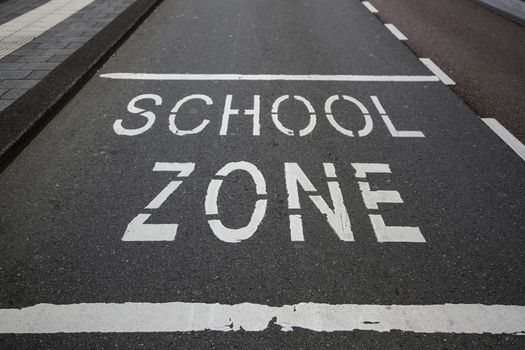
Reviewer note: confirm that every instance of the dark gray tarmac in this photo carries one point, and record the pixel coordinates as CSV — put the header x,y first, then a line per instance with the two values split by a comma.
x,y
68,197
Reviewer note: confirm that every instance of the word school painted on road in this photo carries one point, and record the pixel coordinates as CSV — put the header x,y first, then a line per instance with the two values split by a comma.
x,y
148,117
296,180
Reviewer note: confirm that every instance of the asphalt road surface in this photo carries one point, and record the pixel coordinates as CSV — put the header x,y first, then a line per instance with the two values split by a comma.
x,y
482,50
309,183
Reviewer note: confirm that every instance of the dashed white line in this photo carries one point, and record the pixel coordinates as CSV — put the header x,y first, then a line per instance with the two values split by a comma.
x,y
397,33
370,7
437,71
187,317
271,77
506,136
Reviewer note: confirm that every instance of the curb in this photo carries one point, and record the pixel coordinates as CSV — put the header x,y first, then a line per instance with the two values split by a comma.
x,y
23,119
513,10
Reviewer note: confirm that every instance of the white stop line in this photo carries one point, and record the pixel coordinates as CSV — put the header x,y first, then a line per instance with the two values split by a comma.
x,y
185,317
272,77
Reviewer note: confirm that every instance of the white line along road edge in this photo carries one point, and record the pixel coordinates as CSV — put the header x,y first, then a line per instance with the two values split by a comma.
x,y
370,7
185,317
397,33
506,136
437,71
268,77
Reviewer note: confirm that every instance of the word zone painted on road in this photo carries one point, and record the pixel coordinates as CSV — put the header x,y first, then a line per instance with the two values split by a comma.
x,y
296,180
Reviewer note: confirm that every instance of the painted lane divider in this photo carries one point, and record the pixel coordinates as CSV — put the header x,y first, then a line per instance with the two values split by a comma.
x,y
437,71
442,76
271,77
187,317
370,7
506,136
397,33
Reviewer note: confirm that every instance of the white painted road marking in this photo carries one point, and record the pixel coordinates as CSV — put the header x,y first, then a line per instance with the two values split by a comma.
x,y
397,33
506,136
437,71
390,126
275,116
254,112
211,205
370,7
137,229
22,29
371,198
336,215
337,218
186,317
270,77
150,116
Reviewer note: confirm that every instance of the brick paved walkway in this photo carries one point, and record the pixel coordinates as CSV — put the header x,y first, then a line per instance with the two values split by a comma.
x,y
24,68
12,9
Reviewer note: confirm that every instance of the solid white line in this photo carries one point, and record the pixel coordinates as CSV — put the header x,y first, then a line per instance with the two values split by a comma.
x,y
184,317
506,136
22,29
267,77
370,7
437,71
397,33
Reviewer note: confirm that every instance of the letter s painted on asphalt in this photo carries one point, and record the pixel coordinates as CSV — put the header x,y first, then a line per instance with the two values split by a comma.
x,y
150,116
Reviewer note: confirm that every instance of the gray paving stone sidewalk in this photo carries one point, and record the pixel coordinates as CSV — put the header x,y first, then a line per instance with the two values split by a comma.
x,y
24,68
11,9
